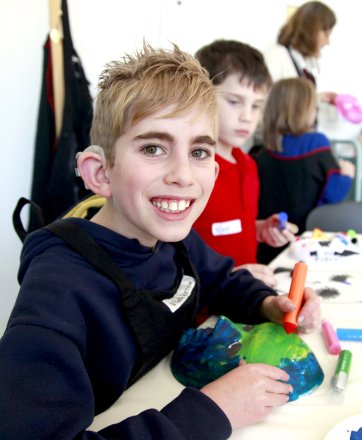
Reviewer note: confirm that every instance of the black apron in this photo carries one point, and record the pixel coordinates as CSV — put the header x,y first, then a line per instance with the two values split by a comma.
x,y
155,327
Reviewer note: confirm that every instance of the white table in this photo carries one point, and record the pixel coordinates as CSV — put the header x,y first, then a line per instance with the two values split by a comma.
x,y
308,418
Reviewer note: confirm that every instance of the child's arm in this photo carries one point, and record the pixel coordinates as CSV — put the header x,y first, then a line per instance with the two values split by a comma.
x,y
48,395
46,388
338,175
338,183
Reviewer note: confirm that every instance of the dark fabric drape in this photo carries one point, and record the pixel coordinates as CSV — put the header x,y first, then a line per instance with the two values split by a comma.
x,y
55,186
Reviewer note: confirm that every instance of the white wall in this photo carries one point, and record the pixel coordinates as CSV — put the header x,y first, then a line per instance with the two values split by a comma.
x,y
103,30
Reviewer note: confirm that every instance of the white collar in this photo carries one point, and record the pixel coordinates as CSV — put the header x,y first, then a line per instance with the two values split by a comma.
x,y
309,63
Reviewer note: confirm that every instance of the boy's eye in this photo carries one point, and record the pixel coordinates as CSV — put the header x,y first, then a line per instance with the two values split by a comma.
x,y
200,153
152,150
233,101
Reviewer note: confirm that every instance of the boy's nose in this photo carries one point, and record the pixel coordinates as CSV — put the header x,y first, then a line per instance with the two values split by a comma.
x,y
245,114
179,172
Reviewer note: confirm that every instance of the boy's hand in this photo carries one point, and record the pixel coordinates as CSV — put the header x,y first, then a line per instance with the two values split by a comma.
x,y
260,271
248,393
274,307
267,231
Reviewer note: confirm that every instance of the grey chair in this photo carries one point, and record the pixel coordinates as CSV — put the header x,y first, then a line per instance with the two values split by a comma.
x,y
338,150
338,217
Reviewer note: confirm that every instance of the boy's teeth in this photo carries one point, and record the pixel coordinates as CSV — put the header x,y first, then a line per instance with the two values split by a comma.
x,y
181,205
172,206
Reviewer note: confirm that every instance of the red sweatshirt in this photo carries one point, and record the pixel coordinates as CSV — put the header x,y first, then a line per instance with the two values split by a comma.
x,y
228,222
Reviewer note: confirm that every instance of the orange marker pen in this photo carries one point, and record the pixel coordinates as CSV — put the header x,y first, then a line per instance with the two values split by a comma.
x,y
295,295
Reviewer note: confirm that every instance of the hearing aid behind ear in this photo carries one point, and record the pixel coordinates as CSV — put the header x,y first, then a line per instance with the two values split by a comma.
x,y
349,108
95,149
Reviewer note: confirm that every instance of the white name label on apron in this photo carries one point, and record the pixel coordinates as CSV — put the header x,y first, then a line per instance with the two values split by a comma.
x,y
226,228
183,292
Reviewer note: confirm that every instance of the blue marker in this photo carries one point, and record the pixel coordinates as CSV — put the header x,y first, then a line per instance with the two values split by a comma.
x,y
283,218
349,334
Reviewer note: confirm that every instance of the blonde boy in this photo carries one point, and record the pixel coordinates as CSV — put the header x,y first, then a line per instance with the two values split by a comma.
x,y
76,339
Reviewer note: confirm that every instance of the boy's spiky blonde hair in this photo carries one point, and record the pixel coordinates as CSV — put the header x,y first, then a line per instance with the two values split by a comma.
x,y
139,85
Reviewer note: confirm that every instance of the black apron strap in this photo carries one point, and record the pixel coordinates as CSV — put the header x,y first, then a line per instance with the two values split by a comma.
x,y
301,72
82,242
78,239
297,68
17,222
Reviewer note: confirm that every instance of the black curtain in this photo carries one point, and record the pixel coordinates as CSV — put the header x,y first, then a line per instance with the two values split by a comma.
x,y
55,186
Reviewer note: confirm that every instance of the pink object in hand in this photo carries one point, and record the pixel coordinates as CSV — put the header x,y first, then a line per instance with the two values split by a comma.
x,y
349,108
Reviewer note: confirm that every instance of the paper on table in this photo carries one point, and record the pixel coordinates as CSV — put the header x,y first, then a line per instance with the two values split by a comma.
x,y
340,286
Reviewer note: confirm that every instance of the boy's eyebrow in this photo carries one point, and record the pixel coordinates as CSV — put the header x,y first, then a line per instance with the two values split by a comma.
x,y
164,136
204,140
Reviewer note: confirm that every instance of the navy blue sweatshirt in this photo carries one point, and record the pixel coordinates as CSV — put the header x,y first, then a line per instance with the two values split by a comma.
x,y
68,352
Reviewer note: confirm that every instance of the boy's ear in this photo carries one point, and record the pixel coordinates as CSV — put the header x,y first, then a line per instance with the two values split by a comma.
x,y
92,169
217,169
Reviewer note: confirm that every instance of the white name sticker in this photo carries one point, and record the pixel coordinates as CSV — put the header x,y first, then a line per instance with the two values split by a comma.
x,y
183,292
226,228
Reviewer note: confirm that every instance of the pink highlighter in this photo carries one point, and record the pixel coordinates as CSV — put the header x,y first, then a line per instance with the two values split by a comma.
x,y
330,337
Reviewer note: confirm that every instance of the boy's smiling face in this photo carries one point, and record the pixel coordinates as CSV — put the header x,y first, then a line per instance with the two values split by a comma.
x,y
240,108
163,175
